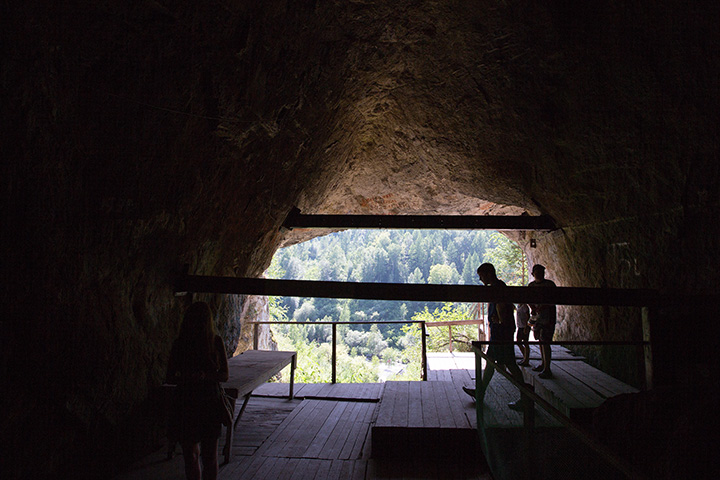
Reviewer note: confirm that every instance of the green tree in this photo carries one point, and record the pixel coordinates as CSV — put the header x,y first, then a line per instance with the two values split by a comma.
x,y
416,276
443,274
469,272
439,337
508,259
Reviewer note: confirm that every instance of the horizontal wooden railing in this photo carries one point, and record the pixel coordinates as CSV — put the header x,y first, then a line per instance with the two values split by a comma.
x,y
451,323
434,293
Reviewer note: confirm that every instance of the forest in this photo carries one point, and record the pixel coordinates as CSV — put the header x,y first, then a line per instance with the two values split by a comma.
x,y
371,352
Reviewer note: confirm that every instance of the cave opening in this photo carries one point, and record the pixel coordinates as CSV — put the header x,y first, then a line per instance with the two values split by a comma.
x,y
387,256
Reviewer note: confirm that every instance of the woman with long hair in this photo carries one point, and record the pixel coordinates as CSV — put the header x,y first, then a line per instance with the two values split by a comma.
x,y
197,364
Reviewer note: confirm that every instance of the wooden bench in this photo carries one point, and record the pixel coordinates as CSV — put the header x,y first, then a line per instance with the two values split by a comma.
x,y
246,372
576,388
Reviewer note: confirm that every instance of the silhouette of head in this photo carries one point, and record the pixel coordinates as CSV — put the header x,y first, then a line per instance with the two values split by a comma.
x,y
486,272
197,328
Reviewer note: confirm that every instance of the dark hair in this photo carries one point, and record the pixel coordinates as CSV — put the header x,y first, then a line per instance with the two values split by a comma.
x,y
537,266
486,267
197,334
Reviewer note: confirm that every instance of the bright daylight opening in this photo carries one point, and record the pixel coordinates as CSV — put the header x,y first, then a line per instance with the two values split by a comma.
x,y
380,340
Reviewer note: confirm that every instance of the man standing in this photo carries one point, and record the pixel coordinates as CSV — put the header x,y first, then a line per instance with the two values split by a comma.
x,y
545,318
502,327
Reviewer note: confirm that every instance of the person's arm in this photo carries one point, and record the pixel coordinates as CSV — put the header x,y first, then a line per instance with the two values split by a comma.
x,y
222,371
503,311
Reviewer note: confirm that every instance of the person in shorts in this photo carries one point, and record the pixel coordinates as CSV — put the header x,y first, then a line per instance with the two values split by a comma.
x,y
546,317
502,327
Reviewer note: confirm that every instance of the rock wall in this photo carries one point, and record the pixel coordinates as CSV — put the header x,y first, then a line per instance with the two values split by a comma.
x,y
139,137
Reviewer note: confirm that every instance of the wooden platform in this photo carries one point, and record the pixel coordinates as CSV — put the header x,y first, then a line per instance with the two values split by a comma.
x,y
576,388
327,431
434,417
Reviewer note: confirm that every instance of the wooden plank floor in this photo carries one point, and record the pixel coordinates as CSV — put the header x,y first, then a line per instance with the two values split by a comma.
x,y
433,404
326,432
576,389
337,391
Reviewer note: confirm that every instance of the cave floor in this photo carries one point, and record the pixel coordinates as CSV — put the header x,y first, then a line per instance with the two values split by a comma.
x,y
326,431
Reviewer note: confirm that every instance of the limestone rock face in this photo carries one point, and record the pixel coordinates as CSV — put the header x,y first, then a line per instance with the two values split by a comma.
x,y
140,137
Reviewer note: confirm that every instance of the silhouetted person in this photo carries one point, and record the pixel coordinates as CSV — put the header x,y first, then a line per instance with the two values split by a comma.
x,y
502,327
197,364
523,333
544,327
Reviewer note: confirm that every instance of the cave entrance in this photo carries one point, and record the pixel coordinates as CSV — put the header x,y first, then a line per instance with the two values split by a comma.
x,y
376,340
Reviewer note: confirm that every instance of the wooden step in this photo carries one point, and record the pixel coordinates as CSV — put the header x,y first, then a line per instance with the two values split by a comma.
x,y
435,418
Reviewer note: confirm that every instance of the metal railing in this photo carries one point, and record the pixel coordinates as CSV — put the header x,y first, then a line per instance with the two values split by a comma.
x,y
333,379
423,336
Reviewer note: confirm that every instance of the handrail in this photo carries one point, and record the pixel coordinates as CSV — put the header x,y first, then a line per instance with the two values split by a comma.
x,y
579,431
423,348
619,297
423,334
451,323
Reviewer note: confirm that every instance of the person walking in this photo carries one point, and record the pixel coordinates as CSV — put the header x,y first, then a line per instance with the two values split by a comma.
x,y
502,327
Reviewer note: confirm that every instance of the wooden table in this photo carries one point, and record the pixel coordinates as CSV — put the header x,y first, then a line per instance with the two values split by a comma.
x,y
248,371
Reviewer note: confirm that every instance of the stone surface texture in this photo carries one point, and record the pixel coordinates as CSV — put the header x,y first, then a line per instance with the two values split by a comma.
x,y
145,136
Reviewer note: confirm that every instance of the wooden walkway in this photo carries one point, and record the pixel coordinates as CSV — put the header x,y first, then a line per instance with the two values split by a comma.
x,y
576,388
328,431
339,391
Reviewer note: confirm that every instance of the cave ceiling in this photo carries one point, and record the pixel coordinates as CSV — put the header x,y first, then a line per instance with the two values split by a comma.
x,y
217,118
460,108
411,114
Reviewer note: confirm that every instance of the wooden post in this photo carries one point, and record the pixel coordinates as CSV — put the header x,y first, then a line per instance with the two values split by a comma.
x,y
293,363
647,319
334,353
423,331
256,336
450,337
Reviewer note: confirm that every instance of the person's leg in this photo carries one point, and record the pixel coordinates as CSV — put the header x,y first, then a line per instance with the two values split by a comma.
x,y
522,337
518,376
546,356
484,381
547,335
486,377
539,335
515,372
191,456
210,459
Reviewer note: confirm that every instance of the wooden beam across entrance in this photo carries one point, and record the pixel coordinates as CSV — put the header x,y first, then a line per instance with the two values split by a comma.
x,y
427,222
420,292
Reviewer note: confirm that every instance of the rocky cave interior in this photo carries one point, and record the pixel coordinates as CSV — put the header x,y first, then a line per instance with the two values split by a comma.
x,y
142,136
